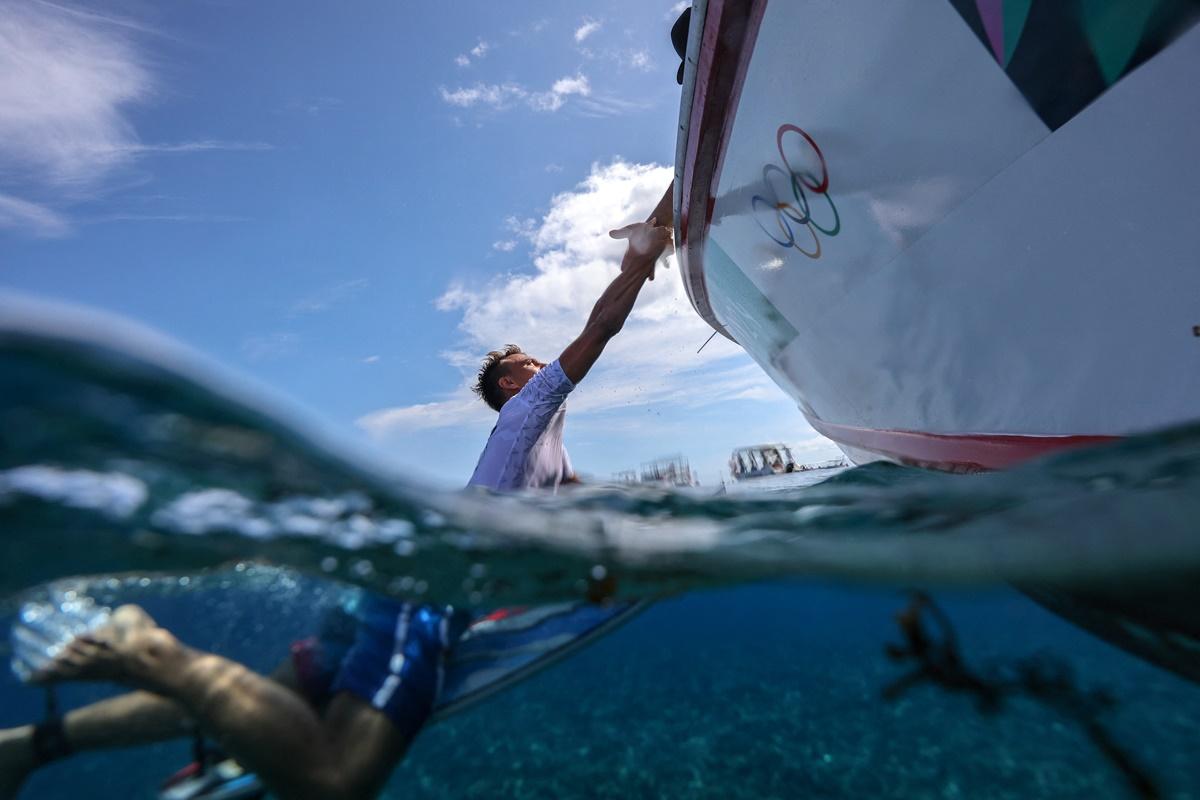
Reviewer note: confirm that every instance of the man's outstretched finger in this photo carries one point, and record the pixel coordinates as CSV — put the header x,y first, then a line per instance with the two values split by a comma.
x,y
627,231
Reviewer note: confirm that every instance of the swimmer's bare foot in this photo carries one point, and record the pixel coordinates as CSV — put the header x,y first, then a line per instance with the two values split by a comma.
x,y
16,759
131,649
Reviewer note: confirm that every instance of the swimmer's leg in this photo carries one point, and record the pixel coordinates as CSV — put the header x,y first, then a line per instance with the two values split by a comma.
x,y
16,759
270,729
129,720
179,686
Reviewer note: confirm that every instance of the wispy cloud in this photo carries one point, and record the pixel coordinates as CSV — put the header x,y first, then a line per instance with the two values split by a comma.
x,y
18,214
270,346
526,228
315,105
462,60
586,29
189,218
606,105
328,297
199,146
462,409
480,50
519,229
502,96
654,359
626,58
68,81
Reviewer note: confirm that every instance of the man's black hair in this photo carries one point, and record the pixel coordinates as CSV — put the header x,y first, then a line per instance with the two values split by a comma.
x,y
487,380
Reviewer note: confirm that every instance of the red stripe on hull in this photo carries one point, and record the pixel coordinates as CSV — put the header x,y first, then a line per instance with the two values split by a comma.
x,y
729,32
952,452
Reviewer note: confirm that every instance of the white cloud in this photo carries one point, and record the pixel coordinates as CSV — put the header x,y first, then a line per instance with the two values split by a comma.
x,y
478,51
495,95
560,91
585,30
639,60
552,168
505,245
371,360
501,96
460,410
18,214
678,9
652,361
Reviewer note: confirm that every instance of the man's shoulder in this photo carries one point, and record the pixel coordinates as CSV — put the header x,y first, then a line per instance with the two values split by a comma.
x,y
550,380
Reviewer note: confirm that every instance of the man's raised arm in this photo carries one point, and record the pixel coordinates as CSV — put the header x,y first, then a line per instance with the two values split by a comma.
x,y
646,244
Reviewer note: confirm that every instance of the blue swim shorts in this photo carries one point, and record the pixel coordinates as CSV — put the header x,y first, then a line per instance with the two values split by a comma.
x,y
389,653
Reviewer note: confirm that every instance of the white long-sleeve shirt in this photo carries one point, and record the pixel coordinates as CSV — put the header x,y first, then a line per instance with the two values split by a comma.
x,y
525,449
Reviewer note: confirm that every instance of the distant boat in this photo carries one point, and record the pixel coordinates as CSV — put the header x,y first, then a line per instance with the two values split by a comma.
x,y
667,471
760,460
764,460
959,234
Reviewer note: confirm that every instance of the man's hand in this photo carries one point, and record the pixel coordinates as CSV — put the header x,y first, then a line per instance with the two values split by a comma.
x,y
647,241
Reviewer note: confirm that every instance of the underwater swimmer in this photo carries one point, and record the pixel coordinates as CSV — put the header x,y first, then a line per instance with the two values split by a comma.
x,y
334,719
379,701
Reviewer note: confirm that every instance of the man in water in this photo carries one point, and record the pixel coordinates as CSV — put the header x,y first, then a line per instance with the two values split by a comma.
x,y
525,449
331,722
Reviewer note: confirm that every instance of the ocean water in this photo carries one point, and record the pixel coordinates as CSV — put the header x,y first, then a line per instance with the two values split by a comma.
x,y
760,671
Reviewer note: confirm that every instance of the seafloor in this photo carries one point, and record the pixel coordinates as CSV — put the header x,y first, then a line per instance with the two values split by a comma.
x,y
758,692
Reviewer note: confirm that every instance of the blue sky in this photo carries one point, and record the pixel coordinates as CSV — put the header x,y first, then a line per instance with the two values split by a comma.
x,y
353,206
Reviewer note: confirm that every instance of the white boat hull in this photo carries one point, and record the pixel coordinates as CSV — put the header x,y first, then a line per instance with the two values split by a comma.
x,y
935,272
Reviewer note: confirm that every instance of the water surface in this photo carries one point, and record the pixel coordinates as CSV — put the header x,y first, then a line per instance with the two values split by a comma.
x,y
757,674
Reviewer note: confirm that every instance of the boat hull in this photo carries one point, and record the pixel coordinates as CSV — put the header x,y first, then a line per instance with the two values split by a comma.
x,y
941,260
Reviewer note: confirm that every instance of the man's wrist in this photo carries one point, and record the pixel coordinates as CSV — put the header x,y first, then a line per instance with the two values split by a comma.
x,y
636,261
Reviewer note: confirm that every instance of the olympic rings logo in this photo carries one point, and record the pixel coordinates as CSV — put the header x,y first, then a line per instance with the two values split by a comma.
x,y
795,212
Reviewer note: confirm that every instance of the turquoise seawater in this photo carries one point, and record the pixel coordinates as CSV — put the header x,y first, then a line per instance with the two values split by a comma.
x,y
761,669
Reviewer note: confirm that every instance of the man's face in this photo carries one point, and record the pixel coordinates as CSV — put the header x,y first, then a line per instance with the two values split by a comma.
x,y
518,369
